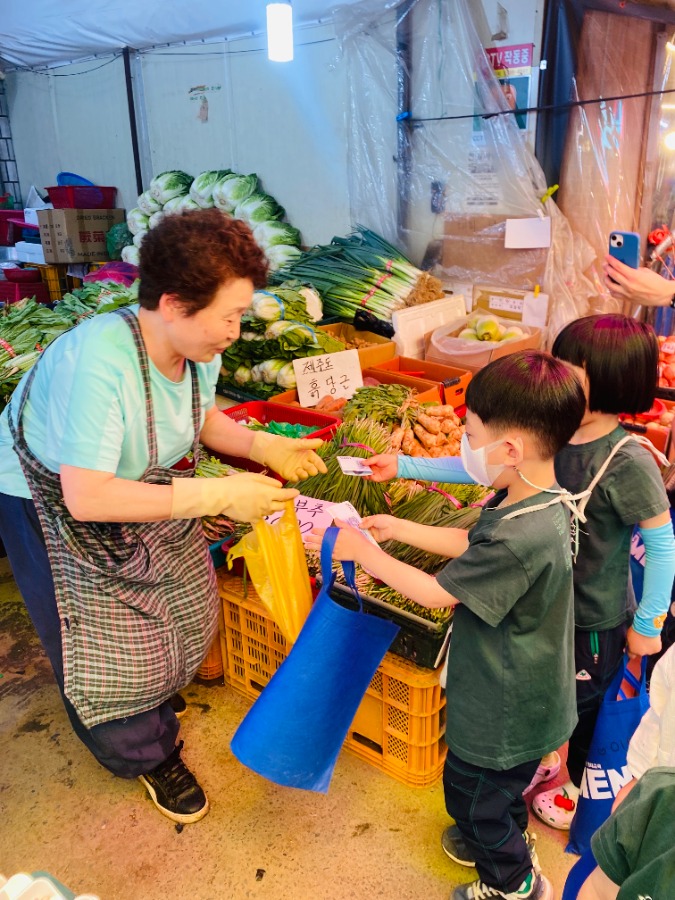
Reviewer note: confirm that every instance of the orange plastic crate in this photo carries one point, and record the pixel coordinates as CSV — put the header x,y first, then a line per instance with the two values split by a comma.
x,y
212,666
452,382
399,726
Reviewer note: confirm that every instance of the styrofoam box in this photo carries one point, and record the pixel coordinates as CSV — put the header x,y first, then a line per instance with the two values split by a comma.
x,y
412,325
28,252
443,345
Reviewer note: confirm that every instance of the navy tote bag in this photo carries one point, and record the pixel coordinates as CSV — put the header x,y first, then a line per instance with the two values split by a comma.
x,y
293,733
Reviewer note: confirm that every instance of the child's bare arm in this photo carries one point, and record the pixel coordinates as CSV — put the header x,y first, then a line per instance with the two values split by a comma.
x,y
351,545
450,542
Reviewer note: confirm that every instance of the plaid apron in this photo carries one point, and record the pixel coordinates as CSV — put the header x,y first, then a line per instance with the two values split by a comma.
x,y
138,602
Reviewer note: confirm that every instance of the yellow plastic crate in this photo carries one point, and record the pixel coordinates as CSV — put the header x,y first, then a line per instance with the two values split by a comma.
x,y
254,646
212,666
399,726
54,276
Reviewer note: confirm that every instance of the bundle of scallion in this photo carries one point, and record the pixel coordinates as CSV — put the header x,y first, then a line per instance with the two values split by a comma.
x,y
362,439
362,271
217,527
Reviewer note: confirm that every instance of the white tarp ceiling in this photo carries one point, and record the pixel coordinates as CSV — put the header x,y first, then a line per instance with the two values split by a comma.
x,y
41,32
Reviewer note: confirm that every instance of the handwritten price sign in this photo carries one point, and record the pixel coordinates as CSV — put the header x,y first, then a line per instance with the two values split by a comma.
x,y
311,514
331,375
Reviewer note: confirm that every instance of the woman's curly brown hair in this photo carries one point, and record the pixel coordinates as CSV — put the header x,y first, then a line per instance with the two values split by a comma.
x,y
193,253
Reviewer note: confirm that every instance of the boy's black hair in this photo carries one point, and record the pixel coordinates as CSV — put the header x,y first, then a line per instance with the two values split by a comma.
x,y
532,391
620,356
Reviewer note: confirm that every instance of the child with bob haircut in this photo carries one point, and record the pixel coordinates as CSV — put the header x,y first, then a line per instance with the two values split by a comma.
x,y
616,358
510,665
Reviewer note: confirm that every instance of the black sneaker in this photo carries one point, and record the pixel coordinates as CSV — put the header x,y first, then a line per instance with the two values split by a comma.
x,y
174,790
178,705
456,848
535,887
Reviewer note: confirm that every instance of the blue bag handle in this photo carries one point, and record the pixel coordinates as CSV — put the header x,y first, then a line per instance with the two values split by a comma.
x,y
626,675
327,574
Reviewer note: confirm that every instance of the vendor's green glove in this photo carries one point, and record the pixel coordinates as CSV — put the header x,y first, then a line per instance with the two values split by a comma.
x,y
293,458
245,498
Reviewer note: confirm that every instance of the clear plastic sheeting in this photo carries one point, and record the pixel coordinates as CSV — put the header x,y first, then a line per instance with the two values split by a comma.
x,y
433,169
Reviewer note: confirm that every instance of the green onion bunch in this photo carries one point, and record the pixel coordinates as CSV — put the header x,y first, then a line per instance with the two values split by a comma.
x,y
362,271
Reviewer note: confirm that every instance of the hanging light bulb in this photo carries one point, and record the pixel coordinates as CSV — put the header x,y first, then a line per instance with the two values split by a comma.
x,y
280,31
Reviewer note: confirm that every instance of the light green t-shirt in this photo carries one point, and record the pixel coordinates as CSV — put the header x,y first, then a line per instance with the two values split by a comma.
x,y
87,407
510,687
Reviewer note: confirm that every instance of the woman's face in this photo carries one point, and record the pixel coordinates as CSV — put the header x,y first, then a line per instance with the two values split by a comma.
x,y
210,331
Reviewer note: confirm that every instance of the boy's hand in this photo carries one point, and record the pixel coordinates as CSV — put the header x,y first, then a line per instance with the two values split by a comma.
x,y
348,545
381,527
641,645
384,466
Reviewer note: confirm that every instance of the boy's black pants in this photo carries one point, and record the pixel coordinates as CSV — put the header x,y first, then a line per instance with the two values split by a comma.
x,y
488,808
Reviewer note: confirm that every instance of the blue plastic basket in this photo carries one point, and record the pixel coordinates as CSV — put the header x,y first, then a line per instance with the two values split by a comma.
x,y
69,179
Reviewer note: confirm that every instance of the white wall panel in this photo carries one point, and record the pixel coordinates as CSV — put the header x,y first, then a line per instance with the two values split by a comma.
x,y
76,124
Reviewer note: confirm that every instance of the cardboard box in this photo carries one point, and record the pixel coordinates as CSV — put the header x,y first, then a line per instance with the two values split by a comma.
x,y
76,235
444,347
383,348
473,250
427,391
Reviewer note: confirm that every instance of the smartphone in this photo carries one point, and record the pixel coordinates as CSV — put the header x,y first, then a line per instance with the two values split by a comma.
x,y
625,246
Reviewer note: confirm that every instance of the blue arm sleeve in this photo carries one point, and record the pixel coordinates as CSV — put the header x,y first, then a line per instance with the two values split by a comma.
x,y
446,468
658,580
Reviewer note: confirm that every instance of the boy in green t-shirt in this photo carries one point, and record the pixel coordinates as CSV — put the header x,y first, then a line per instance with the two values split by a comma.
x,y
510,685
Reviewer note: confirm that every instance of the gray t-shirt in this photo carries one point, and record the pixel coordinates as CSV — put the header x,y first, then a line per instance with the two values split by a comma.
x,y
630,491
510,688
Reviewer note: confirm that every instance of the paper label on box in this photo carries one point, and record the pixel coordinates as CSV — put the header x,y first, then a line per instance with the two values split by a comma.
x,y
329,375
527,234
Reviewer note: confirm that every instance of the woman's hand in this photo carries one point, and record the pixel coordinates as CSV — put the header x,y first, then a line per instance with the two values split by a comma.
x,y
637,285
348,546
384,466
381,527
293,458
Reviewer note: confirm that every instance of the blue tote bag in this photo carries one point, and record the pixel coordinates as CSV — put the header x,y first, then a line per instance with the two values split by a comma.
x,y
605,771
293,733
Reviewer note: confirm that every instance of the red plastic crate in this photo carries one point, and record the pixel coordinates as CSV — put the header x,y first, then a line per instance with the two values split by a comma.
x,y
265,412
12,293
79,197
6,230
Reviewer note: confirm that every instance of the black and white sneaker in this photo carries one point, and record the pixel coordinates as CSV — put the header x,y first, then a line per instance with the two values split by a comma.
x,y
535,887
456,848
175,791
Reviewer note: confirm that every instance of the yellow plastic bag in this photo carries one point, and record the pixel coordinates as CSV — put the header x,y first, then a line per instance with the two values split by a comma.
x,y
275,558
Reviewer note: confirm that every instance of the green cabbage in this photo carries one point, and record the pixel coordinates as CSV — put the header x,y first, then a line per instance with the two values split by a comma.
x,y
187,203
130,255
138,238
267,234
156,218
258,208
168,185
270,369
242,375
201,189
313,303
137,220
286,377
266,306
173,205
233,190
148,204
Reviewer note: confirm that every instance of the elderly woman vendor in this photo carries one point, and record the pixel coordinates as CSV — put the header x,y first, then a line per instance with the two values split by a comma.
x,y
103,535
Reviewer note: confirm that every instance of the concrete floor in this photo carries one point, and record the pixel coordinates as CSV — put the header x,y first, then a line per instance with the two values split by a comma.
x,y
369,837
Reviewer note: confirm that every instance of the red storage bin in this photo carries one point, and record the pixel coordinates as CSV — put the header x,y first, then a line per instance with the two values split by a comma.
x,y
6,229
265,412
12,293
80,197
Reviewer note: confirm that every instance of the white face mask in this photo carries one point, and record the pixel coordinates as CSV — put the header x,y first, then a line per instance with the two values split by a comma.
x,y
476,464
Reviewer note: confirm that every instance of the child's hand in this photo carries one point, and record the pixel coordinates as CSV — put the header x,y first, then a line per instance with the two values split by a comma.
x,y
384,466
349,542
640,645
381,527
